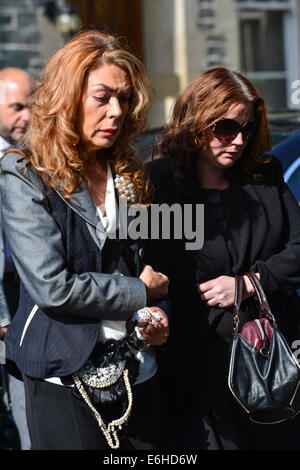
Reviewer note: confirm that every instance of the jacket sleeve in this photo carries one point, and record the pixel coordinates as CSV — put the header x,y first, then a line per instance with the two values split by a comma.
x,y
5,317
281,272
39,255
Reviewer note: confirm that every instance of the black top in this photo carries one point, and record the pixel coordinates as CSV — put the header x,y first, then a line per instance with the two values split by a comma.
x,y
216,254
215,200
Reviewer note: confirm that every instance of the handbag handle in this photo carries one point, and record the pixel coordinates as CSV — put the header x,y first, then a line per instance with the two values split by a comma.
x,y
238,293
264,308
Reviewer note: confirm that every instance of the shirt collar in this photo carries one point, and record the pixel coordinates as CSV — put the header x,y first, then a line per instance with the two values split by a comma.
x,y
4,145
109,222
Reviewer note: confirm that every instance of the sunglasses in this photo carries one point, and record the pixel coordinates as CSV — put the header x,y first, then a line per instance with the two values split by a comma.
x,y
226,130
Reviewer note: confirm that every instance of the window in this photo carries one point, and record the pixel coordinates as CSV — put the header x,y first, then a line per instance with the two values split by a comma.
x,y
266,30
264,1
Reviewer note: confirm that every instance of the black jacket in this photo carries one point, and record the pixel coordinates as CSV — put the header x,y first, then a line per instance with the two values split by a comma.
x,y
264,223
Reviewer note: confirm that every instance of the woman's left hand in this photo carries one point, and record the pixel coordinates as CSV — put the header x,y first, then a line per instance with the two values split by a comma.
x,y
155,333
218,292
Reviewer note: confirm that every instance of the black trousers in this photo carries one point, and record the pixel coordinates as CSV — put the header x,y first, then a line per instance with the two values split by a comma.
x,y
11,286
58,420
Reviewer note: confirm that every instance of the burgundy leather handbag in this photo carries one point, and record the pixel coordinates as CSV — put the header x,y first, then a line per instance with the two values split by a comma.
x,y
264,376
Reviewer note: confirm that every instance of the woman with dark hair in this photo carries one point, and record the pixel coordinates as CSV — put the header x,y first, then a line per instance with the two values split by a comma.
x,y
89,373
215,152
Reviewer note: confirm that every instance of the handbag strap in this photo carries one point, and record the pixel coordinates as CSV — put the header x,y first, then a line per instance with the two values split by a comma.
x,y
238,295
264,310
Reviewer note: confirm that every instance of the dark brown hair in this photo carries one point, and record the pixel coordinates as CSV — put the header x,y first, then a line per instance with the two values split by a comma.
x,y
206,101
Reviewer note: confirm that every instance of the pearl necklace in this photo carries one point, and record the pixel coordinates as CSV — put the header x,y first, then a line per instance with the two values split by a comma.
x,y
109,431
125,188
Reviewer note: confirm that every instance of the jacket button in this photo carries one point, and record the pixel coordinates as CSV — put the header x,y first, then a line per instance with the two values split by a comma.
x,y
141,252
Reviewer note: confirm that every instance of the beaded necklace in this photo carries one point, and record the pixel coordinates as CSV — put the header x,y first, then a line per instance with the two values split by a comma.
x,y
109,431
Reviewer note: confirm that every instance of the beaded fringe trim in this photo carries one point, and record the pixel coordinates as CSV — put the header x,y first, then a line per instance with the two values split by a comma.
x,y
101,377
109,431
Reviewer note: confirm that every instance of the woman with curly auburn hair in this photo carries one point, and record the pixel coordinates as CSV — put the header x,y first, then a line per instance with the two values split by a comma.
x,y
214,152
91,312
54,140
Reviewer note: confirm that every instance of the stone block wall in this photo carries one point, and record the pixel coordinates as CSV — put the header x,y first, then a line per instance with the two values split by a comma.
x,y
20,44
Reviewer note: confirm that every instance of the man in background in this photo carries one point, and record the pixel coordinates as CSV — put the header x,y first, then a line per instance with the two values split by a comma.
x,y
16,89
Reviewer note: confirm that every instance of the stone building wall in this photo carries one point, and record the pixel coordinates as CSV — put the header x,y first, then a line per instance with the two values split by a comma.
x,y
20,36
182,38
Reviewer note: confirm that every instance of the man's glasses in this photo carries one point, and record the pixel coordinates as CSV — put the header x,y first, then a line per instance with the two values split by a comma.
x,y
226,130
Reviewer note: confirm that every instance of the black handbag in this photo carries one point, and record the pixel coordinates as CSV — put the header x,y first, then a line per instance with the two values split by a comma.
x,y
264,376
105,381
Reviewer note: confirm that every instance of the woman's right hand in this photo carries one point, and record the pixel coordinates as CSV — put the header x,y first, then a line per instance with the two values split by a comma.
x,y
3,331
156,283
155,333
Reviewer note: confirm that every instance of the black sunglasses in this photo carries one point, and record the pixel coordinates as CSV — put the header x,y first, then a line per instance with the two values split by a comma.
x,y
226,130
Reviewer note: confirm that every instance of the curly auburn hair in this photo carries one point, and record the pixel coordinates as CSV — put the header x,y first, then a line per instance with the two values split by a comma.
x,y
206,101
52,143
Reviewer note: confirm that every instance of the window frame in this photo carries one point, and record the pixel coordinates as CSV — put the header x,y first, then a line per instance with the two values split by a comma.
x,y
291,37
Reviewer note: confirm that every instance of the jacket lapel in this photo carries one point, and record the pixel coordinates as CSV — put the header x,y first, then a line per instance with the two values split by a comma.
x,y
82,204
238,221
247,223
258,214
